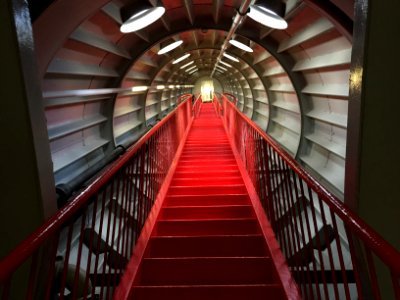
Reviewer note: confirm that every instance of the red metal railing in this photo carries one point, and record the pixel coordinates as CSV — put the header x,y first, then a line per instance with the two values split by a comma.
x,y
184,97
332,253
196,106
218,104
82,251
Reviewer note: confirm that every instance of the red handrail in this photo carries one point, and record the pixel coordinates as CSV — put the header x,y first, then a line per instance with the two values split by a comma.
x,y
196,106
152,141
299,180
183,97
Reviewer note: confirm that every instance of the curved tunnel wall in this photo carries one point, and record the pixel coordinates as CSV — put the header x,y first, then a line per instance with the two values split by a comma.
x,y
294,85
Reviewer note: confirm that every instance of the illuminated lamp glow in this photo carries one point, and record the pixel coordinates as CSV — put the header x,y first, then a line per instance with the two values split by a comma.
x,y
142,19
222,68
188,64
194,71
240,45
191,68
139,88
160,87
170,47
181,58
267,17
226,64
230,57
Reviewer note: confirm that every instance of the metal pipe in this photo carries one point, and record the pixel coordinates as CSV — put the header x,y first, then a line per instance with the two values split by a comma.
x,y
237,20
65,190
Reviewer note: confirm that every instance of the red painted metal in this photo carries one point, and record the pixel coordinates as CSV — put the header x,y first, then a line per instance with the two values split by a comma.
x,y
197,245
311,224
85,247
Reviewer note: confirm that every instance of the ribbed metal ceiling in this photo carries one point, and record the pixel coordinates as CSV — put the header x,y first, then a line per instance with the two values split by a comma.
x,y
294,85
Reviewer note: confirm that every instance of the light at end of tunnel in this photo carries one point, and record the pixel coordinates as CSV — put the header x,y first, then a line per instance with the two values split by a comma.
x,y
181,58
188,64
267,17
240,45
170,47
160,87
139,88
230,57
142,19
226,64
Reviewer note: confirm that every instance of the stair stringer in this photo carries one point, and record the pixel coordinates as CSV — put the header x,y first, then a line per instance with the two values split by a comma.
x,y
125,287
289,285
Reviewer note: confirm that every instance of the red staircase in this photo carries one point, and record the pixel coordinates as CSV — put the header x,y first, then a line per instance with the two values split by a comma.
x,y
207,242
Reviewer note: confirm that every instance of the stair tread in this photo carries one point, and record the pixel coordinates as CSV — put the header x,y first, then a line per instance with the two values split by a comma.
x,y
207,270
207,242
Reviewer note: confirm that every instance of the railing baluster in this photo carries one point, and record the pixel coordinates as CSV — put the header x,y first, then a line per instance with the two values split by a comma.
x,y
301,208
90,247
99,238
32,276
328,246
78,263
354,263
372,275
318,241
66,261
340,255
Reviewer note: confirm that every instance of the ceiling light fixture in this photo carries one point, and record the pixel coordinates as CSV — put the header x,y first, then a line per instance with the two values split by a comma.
x,y
181,58
188,64
241,43
168,46
226,64
171,86
139,88
269,13
137,17
222,68
160,87
194,71
230,57
191,68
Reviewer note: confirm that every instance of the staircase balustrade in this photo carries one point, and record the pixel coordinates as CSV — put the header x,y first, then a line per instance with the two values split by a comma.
x,y
332,253
81,252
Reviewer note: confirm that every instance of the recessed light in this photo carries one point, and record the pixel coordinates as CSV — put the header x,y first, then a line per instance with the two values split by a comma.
x,y
181,58
170,47
139,88
188,64
222,68
230,57
142,19
241,45
191,68
267,17
226,64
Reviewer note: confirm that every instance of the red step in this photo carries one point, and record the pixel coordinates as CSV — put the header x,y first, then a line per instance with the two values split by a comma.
x,y
207,246
206,173
206,227
212,189
204,200
207,243
206,212
210,292
207,271
193,179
